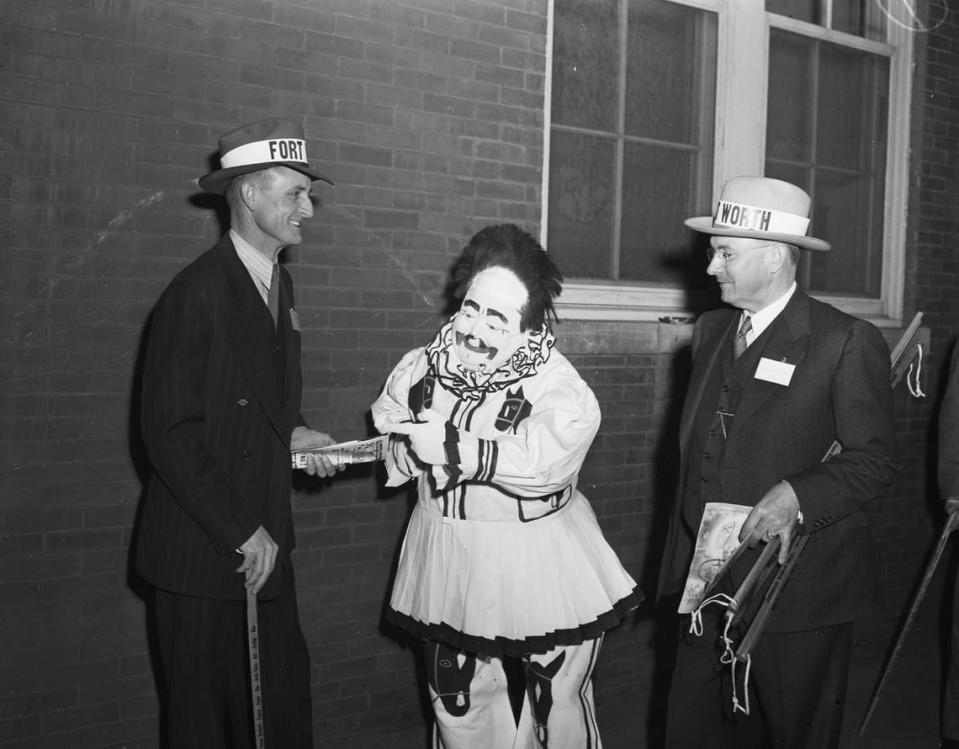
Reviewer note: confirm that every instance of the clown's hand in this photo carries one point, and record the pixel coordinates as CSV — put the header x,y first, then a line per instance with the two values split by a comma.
x,y
428,436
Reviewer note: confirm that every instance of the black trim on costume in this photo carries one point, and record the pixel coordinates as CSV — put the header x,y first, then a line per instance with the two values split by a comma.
x,y
587,705
503,646
470,408
487,456
451,444
454,412
557,501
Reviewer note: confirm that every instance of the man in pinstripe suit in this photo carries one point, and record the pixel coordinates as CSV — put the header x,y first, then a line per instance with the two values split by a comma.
x,y
221,412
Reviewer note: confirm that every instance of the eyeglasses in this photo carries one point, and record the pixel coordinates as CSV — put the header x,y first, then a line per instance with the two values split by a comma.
x,y
724,255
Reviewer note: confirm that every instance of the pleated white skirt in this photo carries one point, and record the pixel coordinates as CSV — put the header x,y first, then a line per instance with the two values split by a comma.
x,y
510,587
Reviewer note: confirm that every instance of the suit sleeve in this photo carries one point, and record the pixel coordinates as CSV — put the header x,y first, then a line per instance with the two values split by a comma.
x,y
949,433
862,411
176,373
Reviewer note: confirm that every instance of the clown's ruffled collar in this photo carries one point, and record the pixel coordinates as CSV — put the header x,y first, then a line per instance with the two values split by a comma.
x,y
472,385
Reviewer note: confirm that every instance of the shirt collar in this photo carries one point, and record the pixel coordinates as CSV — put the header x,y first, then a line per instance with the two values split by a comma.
x,y
762,319
259,267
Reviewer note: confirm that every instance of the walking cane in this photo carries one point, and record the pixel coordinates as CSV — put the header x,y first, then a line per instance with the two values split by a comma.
x,y
952,520
253,640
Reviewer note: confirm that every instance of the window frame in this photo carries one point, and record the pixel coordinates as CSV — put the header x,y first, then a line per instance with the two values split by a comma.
x,y
740,126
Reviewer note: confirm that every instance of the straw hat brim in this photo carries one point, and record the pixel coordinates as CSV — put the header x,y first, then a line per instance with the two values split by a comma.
x,y
217,180
704,224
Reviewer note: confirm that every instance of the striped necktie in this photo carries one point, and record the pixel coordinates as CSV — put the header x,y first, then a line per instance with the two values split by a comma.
x,y
739,342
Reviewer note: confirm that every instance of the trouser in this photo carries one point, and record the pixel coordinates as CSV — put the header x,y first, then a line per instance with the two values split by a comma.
x,y
205,676
797,689
472,707
950,699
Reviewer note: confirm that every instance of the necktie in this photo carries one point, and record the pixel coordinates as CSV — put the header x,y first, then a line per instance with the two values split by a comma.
x,y
273,296
739,343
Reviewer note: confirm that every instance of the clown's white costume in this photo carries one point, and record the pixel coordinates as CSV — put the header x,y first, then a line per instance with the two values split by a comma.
x,y
503,555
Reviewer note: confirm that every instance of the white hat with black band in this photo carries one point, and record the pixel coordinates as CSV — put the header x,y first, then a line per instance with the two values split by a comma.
x,y
260,145
761,208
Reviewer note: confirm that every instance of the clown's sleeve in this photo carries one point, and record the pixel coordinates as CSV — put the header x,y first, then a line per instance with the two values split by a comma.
x,y
544,455
392,405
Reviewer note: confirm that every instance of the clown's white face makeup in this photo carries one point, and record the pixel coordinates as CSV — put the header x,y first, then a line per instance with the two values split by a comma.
x,y
486,330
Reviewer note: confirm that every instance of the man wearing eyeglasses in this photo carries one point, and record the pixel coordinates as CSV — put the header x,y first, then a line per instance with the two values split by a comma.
x,y
779,380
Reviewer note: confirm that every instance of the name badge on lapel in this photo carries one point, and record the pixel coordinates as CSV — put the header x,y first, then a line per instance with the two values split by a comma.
x,y
778,372
294,320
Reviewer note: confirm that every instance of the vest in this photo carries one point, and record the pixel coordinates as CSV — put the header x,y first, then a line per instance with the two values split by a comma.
x,y
723,389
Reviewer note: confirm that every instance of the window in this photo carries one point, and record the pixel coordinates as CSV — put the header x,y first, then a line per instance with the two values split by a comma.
x,y
826,132
653,104
632,136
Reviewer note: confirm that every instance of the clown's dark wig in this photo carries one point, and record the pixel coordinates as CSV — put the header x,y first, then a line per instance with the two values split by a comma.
x,y
508,246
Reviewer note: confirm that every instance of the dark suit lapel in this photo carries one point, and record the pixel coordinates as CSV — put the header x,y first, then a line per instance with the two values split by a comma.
x,y
251,329
785,341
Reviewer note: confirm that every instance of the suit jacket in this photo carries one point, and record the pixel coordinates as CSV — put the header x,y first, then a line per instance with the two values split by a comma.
x,y
949,433
839,390
221,396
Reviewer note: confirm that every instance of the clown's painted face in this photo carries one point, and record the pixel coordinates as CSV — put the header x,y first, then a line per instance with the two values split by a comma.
x,y
486,330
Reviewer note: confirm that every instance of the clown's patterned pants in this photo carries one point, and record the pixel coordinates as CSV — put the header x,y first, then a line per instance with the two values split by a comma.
x,y
472,707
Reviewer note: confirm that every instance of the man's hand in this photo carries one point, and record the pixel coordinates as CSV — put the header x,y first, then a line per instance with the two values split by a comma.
x,y
259,557
426,436
774,515
304,438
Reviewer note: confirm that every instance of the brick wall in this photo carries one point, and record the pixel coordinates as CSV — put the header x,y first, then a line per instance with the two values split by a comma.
x,y
908,521
428,115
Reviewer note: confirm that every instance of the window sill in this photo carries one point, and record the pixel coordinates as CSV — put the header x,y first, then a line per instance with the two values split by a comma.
x,y
586,301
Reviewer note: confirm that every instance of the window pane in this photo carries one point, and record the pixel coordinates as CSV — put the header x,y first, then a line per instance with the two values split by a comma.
x,y
847,212
616,203
854,265
790,91
581,201
801,10
852,107
837,153
660,189
586,64
863,18
671,76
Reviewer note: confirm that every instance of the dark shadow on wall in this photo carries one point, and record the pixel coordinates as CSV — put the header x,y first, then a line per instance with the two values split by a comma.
x,y
933,496
137,586
947,567
215,204
687,265
412,645
665,481
701,293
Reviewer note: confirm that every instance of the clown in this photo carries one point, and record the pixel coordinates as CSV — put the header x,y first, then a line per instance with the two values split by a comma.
x,y
503,556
